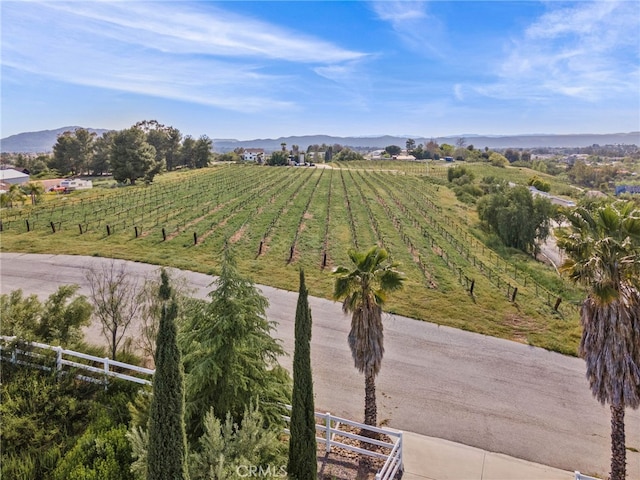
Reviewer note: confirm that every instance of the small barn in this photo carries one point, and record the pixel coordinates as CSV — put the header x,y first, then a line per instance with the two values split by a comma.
x,y
13,177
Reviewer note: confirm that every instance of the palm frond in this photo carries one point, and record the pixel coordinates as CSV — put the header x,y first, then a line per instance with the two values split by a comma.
x,y
363,290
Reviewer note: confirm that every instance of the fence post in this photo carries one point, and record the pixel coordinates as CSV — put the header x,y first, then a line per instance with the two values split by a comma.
x,y
558,300
327,444
106,372
58,358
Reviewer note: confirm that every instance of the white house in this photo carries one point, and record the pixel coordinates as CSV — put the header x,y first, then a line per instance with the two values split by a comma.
x,y
12,176
253,154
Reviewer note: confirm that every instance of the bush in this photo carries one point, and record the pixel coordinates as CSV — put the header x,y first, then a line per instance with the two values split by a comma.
x,y
41,416
540,184
491,184
346,154
458,172
58,321
468,193
98,455
44,414
498,160
516,217
226,447
463,180
278,158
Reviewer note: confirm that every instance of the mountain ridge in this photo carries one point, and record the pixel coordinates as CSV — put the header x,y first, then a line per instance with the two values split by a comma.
x,y
43,141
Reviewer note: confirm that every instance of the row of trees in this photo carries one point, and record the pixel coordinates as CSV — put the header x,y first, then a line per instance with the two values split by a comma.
x,y
221,356
138,152
315,153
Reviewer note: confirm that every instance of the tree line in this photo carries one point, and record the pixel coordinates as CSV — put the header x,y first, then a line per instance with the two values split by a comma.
x,y
217,399
130,155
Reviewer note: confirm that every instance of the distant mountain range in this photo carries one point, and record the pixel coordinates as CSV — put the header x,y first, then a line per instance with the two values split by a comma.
x,y
38,142
478,141
43,141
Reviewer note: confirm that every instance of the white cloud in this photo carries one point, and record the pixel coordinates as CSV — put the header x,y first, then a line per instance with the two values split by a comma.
x,y
190,52
191,28
412,23
398,11
587,51
458,92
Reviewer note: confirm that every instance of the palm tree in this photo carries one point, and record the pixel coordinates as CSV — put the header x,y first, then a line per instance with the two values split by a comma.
x,y
34,190
603,248
363,291
12,196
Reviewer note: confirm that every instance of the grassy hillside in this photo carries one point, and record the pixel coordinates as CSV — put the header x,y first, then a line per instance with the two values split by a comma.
x,y
279,219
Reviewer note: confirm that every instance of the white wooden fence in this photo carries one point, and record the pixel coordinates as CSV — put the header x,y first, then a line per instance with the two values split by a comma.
x,y
99,370
582,476
329,428
47,357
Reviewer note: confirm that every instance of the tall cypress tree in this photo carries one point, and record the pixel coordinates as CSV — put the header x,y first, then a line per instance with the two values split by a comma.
x,y
302,442
167,453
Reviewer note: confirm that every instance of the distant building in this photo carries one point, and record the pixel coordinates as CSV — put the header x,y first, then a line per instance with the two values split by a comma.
x,y
76,184
627,189
253,155
13,177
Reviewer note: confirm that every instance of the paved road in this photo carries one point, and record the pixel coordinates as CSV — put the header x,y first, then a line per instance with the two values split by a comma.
x,y
485,392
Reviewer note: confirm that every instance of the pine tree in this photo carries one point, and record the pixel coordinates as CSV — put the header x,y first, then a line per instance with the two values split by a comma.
x,y
167,453
302,442
230,357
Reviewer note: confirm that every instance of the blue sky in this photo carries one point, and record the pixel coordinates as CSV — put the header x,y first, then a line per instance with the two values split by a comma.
x,y
266,69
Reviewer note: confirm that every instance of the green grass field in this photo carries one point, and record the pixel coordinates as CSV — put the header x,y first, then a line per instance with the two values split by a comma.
x,y
280,219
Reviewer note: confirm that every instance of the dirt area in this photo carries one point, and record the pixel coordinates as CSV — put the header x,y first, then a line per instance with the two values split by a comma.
x,y
238,235
342,464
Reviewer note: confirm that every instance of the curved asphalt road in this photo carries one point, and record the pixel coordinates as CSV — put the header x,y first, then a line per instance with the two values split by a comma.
x,y
486,392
